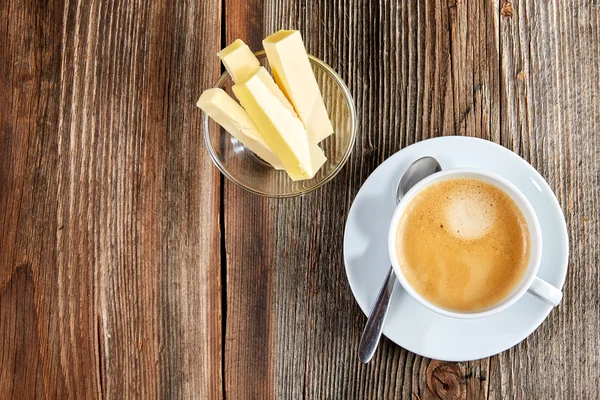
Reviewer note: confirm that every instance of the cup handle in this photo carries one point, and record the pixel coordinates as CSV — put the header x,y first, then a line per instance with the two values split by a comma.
x,y
545,291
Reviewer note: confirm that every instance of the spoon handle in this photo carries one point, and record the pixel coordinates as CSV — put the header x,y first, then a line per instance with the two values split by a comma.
x,y
372,333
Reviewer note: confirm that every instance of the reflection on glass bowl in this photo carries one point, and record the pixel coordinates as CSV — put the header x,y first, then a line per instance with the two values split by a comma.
x,y
248,171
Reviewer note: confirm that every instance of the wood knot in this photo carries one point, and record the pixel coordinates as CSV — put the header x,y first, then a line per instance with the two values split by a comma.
x,y
445,380
507,9
27,77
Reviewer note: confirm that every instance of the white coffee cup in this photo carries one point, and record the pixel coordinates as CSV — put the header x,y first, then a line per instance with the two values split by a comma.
x,y
528,283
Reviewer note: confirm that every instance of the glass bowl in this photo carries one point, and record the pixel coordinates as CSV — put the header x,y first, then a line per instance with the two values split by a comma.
x,y
248,171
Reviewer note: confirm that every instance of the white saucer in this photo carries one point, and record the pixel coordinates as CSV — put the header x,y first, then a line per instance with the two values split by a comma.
x,y
409,324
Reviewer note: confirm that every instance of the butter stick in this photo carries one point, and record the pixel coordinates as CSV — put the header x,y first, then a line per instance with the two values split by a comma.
x,y
239,60
231,116
280,127
292,72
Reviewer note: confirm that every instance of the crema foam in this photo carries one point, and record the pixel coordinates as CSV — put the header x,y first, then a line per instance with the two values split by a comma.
x,y
463,244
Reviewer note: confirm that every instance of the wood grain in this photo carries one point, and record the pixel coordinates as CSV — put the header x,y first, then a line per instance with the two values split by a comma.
x,y
550,99
129,268
110,269
251,247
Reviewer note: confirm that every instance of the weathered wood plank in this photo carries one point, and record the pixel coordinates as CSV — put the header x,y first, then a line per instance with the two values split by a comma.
x,y
167,255
550,103
110,268
250,244
47,317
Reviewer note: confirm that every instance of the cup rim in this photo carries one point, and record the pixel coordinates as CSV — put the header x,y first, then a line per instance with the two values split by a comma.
x,y
534,231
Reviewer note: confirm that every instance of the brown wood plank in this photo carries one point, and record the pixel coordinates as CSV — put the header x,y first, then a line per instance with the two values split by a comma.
x,y
418,71
47,318
250,244
109,235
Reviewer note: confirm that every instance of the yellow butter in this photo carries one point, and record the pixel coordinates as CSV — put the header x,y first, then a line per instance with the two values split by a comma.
x,y
279,125
239,60
241,63
292,72
231,116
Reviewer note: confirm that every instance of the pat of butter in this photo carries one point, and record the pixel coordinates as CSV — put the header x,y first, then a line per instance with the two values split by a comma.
x,y
292,72
231,116
239,60
241,63
281,128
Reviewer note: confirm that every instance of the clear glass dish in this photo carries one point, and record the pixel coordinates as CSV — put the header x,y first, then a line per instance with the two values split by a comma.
x,y
248,171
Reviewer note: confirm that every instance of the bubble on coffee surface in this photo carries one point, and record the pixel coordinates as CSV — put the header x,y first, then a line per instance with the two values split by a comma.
x,y
470,214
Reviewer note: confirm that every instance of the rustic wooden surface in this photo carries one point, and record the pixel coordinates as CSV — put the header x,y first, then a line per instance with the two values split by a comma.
x,y
130,269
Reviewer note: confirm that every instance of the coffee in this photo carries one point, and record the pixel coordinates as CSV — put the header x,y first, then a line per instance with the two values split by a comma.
x,y
463,244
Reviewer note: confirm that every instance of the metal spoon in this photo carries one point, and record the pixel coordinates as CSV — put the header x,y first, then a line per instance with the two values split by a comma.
x,y
420,169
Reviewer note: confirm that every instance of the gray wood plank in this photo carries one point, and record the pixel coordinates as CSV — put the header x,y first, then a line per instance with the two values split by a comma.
x,y
550,101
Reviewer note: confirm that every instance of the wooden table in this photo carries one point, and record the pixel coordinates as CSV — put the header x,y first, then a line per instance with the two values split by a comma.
x,y
130,269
